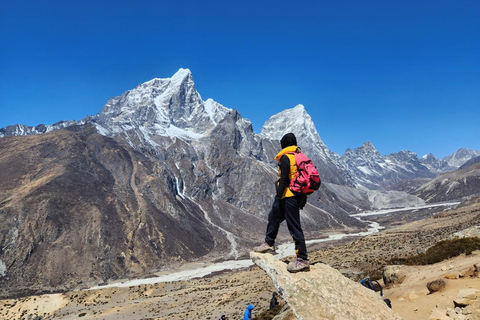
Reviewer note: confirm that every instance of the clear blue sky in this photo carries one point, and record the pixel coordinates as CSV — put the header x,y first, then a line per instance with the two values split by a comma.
x,y
401,74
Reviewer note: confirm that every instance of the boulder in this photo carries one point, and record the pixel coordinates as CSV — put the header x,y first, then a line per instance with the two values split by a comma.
x,y
470,272
436,285
467,297
393,275
452,275
323,293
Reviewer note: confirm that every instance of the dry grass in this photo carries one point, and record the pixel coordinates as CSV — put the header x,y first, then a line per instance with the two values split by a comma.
x,y
443,250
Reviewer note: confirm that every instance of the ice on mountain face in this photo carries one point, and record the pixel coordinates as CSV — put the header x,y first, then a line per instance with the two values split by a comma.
x,y
299,122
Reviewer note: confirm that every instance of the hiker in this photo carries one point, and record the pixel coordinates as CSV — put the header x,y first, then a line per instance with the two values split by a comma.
x,y
223,317
247,315
286,206
274,302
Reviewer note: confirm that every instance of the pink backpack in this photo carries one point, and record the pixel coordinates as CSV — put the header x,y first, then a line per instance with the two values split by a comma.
x,y
307,178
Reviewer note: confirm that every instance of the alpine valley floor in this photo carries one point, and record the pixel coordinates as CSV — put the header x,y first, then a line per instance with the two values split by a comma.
x,y
230,292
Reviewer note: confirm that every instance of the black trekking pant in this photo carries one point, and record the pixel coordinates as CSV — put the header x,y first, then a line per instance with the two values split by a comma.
x,y
288,210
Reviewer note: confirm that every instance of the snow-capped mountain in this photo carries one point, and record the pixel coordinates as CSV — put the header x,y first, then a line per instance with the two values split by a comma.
x,y
299,122
23,130
166,108
450,162
169,107
459,157
372,170
433,163
158,177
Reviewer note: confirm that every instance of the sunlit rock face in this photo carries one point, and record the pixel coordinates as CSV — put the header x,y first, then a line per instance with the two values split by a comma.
x,y
323,293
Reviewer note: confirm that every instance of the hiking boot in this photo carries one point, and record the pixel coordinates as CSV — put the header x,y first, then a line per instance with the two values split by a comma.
x,y
264,248
298,265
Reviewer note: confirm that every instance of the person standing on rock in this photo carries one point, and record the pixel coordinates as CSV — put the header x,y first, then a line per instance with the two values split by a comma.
x,y
247,315
286,206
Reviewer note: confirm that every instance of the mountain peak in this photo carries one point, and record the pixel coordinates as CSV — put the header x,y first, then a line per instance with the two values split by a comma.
x,y
459,157
177,79
429,156
368,146
161,106
295,120
299,107
182,74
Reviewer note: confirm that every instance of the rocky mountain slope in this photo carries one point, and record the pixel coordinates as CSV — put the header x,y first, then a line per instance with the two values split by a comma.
x,y
452,185
82,207
470,162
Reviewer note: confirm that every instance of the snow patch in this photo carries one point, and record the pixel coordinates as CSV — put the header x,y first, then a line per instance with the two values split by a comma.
x,y
180,193
451,186
3,269
173,131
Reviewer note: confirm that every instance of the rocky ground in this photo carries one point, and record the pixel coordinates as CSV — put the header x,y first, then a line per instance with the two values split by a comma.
x,y
412,299
231,292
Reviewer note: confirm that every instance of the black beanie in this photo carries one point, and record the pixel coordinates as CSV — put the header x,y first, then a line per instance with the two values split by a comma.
x,y
288,140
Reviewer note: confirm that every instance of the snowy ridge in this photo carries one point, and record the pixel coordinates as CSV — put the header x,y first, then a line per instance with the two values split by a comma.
x,y
23,130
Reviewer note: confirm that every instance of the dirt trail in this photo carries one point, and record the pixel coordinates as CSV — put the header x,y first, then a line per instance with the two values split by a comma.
x,y
412,299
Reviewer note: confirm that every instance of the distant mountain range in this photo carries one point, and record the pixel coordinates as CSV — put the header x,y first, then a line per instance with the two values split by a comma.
x,y
160,176
173,108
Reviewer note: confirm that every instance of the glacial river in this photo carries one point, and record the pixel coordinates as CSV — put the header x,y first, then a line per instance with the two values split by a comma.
x,y
199,270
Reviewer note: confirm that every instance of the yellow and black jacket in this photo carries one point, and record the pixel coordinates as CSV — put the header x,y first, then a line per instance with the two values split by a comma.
x,y
287,168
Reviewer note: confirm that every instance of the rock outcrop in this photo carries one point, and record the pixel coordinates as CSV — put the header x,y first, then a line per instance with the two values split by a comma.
x,y
323,293
467,297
